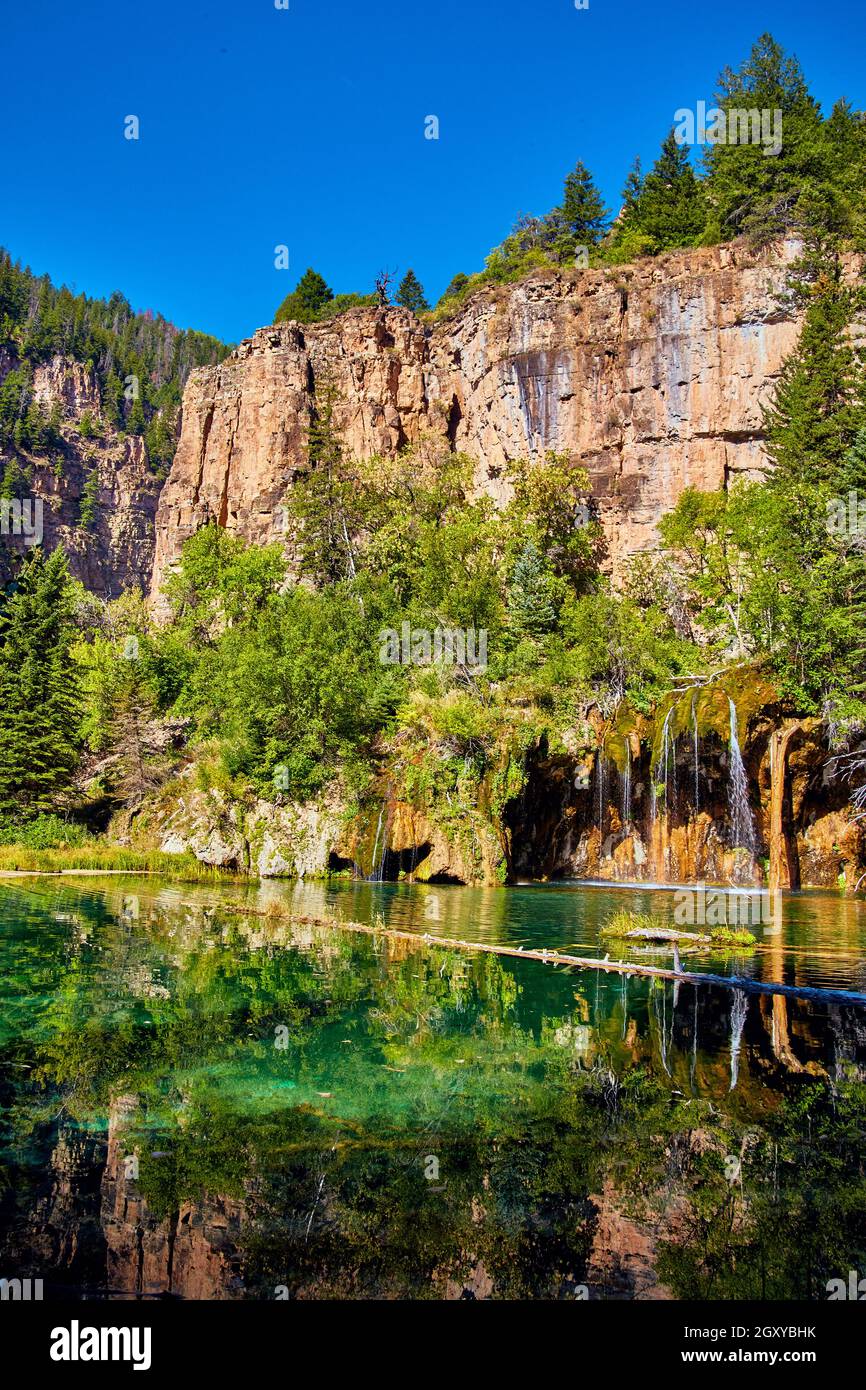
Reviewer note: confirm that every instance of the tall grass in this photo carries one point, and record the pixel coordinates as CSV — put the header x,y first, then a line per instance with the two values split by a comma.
x,y
626,920
107,857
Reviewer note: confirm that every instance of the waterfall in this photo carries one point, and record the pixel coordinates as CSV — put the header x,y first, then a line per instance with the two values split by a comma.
x,y
600,781
739,1009
742,823
376,872
695,744
626,788
666,761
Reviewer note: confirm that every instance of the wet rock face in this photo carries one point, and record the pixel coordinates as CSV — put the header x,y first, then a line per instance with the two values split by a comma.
x,y
653,376
602,822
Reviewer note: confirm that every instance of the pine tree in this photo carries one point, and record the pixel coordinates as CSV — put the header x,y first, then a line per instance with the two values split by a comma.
x,y
40,705
531,594
411,293
307,300
747,189
581,218
852,476
670,207
632,189
817,407
138,761
324,499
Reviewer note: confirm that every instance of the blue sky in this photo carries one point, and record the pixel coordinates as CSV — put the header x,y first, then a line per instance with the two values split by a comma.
x,y
305,127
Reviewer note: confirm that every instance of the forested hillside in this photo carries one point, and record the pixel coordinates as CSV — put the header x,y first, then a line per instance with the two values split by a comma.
x,y
140,360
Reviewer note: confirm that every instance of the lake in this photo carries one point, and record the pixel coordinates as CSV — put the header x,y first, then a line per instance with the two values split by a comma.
x,y
202,1104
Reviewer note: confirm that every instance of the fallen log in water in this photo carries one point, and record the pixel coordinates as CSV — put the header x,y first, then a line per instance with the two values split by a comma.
x,y
617,967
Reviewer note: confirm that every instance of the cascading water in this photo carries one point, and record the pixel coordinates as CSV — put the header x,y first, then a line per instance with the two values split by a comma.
x,y
376,841
695,747
666,763
378,864
626,788
739,1009
740,813
600,779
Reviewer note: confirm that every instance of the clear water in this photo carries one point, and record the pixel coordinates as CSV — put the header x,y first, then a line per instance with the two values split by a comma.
x,y
211,1105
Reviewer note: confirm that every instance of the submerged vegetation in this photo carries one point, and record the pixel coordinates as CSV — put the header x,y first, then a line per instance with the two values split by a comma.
x,y
249,1068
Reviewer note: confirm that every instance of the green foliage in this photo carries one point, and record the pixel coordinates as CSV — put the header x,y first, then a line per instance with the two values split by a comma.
x,y
40,704
811,187
625,646
764,573
532,595
44,832
222,582
88,502
307,300
411,293
581,219
818,405
322,504
300,690
38,320
800,188
666,208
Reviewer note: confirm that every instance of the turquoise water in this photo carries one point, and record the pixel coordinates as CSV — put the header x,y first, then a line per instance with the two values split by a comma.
x,y
215,1105
822,940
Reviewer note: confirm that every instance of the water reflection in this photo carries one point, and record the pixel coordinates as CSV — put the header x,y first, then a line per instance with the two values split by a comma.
x,y
207,1105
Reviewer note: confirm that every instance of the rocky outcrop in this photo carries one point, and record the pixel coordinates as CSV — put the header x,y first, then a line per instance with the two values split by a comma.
x,y
651,375
247,834
112,548
636,799
287,839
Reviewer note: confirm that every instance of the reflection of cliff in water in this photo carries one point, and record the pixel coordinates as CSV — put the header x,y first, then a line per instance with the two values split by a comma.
x,y
436,1124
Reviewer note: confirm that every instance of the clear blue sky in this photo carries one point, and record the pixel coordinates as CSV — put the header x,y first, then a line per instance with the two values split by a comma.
x,y
305,127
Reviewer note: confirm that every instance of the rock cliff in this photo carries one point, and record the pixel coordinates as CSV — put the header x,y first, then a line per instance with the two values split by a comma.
x,y
111,549
652,375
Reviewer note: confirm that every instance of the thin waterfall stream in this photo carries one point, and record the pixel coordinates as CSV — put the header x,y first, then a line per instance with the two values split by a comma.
x,y
742,822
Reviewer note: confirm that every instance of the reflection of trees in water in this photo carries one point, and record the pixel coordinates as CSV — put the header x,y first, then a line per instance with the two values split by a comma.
x,y
394,1058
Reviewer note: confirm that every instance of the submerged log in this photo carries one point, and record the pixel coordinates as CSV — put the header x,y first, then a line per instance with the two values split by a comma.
x,y
617,967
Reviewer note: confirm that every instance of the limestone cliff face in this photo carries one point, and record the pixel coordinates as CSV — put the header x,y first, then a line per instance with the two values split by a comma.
x,y
113,550
652,375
